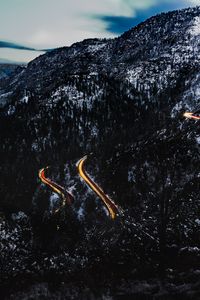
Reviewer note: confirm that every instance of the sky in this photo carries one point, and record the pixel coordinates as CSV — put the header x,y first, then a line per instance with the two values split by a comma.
x,y
46,24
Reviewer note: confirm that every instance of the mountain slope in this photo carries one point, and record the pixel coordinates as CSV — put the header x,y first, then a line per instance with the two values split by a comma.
x,y
151,55
134,82
121,100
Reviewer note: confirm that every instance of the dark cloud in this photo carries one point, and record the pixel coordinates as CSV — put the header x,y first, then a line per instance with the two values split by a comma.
x,y
119,24
10,45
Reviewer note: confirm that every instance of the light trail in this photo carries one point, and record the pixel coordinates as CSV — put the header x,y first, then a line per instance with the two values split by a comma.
x,y
110,205
190,115
66,196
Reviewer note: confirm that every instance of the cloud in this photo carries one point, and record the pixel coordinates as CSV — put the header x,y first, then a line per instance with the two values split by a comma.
x,y
18,56
45,24
119,24
51,23
195,2
10,45
16,53
40,37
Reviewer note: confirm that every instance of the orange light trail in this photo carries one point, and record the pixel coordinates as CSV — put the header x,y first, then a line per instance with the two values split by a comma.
x,y
66,196
110,205
190,115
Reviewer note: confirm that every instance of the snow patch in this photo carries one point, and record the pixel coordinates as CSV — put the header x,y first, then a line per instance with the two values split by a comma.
x,y
198,140
95,48
81,213
190,249
19,216
195,29
76,97
24,99
197,221
54,199
4,98
131,175
11,110
134,75
178,107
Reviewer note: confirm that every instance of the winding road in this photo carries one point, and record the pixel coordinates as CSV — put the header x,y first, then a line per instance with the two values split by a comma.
x,y
190,115
66,196
112,208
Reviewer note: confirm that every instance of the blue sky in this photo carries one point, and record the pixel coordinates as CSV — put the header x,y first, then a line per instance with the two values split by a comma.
x,y
46,24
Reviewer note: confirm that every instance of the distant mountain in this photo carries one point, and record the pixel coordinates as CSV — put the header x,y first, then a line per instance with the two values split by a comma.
x,y
122,100
8,69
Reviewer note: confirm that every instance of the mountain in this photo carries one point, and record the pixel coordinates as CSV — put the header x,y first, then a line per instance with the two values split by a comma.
x,y
128,57
7,69
9,62
123,101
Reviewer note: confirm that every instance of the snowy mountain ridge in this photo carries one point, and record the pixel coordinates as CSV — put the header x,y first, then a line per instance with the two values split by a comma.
x,y
150,58
121,101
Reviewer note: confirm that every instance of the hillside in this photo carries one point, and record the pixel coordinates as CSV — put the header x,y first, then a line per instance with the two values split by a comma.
x,y
122,100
